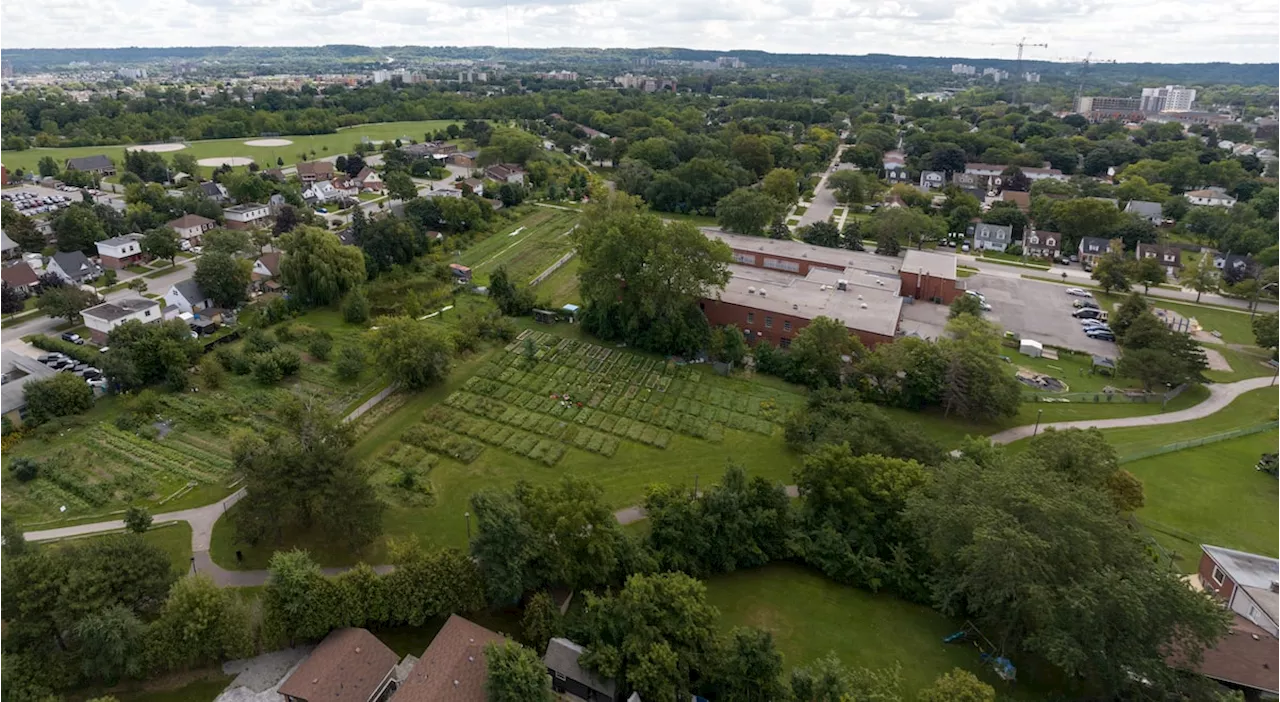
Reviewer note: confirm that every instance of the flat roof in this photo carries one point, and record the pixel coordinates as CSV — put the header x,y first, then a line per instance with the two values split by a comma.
x,y
937,265
860,308
111,311
841,258
1246,569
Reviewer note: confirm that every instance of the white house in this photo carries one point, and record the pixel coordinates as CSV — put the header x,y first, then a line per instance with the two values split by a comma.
x,y
103,318
932,180
368,179
1211,197
191,226
321,191
120,251
247,216
187,296
73,267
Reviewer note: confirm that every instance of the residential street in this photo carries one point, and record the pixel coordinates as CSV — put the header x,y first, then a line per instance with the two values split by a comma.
x,y
824,199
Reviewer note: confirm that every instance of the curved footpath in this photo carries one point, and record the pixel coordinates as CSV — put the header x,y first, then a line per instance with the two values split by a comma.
x,y
202,519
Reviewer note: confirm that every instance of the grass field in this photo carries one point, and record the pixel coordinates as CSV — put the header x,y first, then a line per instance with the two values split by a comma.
x,y
526,247
1234,325
1253,407
811,616
1245,363
561,287
1210,495
173,538
340,142
206,687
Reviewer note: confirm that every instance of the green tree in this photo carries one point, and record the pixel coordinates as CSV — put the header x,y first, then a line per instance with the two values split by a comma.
x,y
295,602
350,362
515,145
224,279
233,242
752,153
316,268
1086,458
752,669
656,635
727,345
111,644
1265,330
512,299
818,350
65,301
137,520
1159,356
161,242
1083,217
185,163
782,184
1112,272
302,476
977,385
965,304
515,674
142,354
355,307
820,234
400,186
958,686
201,624
1148,271
21,228
905,224
541,620
58,396
48,167
1202,276
747,211
667,267
416,354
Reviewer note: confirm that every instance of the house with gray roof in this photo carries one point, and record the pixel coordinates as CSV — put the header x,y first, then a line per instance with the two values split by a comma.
x,y
18,370
1150,211
932,180
1169,257
101,319
8,247
1249,583
1093,248
568,676
1045,244
187,296
73,267
214,191
99,164
993,237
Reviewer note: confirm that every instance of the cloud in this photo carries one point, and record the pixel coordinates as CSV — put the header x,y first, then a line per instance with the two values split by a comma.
x,y
1162,30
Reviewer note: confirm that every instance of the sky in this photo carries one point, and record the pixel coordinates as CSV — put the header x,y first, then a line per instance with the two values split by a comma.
x,y
1166,31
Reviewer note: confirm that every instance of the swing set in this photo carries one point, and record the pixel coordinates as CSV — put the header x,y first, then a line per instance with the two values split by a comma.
x,y
987,651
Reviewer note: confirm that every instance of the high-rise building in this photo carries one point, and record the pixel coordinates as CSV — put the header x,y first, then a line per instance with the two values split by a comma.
x,y
1170,98
996,74
1031,77
961,69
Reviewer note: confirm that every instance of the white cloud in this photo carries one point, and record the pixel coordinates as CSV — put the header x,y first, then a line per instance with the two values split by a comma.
x,y
1133,30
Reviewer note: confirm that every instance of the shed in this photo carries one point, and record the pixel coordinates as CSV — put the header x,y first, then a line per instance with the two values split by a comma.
x,y
545,316
568,676
1103,364
570,311
1031,347
461,273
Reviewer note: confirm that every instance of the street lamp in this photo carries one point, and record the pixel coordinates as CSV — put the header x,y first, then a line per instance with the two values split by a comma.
x,y
1037,429
1253,306
468,516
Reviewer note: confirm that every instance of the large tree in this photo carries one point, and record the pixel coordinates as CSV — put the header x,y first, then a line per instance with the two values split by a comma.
x,y
905,224
21,228
57,396
818,352
977,385
224,279
400,186
141,354
316,268
78,228
515,674
1112,272
781,184
65,301
1059,576
302,476
747,211
752,667
201,624
1148,271
1265,330
417,354
1158,356
1202,276
162,242
641,278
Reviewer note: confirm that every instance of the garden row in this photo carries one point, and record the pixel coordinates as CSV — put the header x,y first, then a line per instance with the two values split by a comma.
x,y
561,426
441,420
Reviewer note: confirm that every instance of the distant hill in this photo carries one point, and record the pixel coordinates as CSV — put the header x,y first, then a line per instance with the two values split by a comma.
x,y
353,57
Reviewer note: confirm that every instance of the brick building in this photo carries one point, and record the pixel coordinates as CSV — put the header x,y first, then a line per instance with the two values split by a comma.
x,y
929,276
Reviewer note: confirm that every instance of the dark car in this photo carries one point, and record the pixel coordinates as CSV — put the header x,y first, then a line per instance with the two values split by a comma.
x,y
73,338
1100,335
1081,304
1087,313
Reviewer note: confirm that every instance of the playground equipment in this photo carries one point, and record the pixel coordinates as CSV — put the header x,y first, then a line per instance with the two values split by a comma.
x,y
987,651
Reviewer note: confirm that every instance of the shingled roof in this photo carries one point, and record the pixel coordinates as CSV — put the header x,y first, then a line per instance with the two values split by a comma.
x,y
348,666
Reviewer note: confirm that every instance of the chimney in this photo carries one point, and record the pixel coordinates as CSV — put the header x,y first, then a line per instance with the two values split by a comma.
x,y
1275,586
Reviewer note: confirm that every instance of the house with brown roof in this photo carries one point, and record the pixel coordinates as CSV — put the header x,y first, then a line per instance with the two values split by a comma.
x,y
311,171
265,271
453,667
20,276
505,173
1021,199
191,226
350,665
368,179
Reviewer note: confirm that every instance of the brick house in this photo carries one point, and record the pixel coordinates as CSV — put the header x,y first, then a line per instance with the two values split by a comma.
x,y
120,251
101,319
311,171
191,226
248,216
1245,582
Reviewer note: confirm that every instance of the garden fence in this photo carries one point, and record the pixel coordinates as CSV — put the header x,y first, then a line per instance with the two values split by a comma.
x,y
1102,398
369,403
1191,443
552,268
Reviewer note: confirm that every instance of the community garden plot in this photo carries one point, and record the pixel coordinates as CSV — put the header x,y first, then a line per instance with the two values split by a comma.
x,y
568,393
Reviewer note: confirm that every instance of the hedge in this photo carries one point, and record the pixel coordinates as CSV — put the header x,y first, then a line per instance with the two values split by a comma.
x,y
84,354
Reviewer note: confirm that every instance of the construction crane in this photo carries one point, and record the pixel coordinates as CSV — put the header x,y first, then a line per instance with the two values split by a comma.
x,y
1085,62
1017,81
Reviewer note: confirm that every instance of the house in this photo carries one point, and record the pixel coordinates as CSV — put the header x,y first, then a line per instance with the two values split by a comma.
x,y
247,216
926,275
368,179
97,164
932,180
567,676
349,665
8,247
895,167
191,226
993,237
20,276
101,319
461,273
1021,199
276,203
1170,257
505,173
453,667
73,267
265,271
320,191
1093,248
120,251
1233,264
1244,659
1150,211
214,191
311,171
187,296
1246,583
476,185
1210,197
466,159
276,174
16,370
1036,242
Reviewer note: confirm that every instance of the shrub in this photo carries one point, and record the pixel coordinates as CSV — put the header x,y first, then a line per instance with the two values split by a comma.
x,y
212,373
320,345
350,362
285,333
258,341
266,370
355,307
24,469
57,396
288,360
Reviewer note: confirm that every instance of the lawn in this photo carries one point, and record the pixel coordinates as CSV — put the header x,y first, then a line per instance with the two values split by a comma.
x,y
1074,369
1210,495
1009,259
1245,363
174,538
1234,325
205,688
811,616
561,287
965,272
340,142
163,271
800,209
526,247
695,220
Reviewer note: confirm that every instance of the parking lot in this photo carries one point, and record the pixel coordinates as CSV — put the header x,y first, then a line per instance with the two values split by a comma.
x,y
1032,309
34,200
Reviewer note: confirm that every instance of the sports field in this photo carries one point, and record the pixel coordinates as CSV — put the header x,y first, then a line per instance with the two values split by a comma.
x,y
323,145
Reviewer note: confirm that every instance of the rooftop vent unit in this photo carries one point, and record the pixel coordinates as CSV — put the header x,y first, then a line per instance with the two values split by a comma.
x,y
751,290
761,292
842,284
863,305
795,307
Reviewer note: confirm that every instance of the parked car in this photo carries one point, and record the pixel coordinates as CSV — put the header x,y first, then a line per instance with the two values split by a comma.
x,y
47,357
1089,313
1086,323
96,382
1079,292
73,338
1079,304
1100,335
976,294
